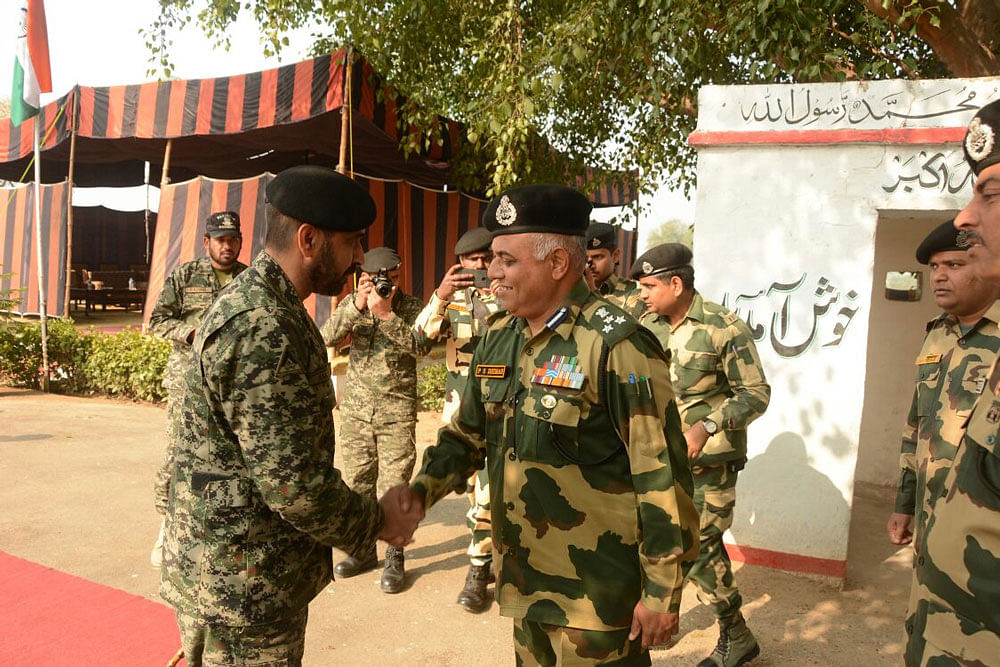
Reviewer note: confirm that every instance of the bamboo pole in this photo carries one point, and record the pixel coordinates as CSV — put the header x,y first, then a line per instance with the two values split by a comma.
x,y
69,208
165,172
345,111
38,248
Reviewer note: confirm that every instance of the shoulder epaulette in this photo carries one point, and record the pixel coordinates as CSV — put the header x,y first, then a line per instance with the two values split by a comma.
x,y
611,322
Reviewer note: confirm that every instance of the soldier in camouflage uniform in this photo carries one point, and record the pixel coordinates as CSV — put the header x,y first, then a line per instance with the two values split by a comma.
x,y
603,258
457,313
952,368
957,618
720,386
379,403
189,291
255,501
570,409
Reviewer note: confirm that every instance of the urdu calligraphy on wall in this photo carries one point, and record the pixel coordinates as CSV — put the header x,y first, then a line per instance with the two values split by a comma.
x,y
928,171
795,316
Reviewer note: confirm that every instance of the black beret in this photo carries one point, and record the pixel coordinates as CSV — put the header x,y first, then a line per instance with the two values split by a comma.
x,y
223,223
321,197
380,258
943,237
658,259
601,235
474,240
546,209
980,143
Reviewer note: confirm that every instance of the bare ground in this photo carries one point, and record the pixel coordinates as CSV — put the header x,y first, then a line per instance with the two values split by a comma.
x,y
76,495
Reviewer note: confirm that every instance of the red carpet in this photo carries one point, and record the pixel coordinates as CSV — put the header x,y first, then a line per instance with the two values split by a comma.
x,y
49,617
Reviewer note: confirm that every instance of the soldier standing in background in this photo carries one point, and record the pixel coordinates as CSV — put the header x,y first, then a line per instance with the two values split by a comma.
x,y
256,503
720,386
957,617
603,258
188,292
379,405
457,313
570,408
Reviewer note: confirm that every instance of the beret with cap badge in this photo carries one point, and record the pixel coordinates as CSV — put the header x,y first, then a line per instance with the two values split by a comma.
x,y
322,198
546,209
943,237
474,240
601,235
377,259
661,258
980,144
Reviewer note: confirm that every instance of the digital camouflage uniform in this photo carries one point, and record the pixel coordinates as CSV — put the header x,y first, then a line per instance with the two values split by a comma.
x,y
717,375
952,370
379,404
188,292
957,619
623,293
255,500
462,322
584,526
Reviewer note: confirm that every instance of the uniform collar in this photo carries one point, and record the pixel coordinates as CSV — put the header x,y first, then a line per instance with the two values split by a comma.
x,y
992,314
696,311
274,276
613,282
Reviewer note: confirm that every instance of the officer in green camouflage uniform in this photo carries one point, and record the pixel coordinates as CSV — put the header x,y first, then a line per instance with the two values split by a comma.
x,y
379,403
570,409
957,619
255,501
457,313
952,368
720,386
188,292
603,258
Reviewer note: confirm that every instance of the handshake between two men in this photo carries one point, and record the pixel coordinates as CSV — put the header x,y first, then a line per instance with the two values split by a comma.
x,y
404,511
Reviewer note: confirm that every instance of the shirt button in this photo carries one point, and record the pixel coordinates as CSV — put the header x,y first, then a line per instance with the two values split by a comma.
x,y
990,439
530,350
512,456
509,506
962,342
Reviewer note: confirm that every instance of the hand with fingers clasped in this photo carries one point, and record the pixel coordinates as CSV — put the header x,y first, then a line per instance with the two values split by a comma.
x,y
654,628
403,511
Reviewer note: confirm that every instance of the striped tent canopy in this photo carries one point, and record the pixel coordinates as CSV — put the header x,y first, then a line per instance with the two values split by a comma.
x,y
18,254
422,225
237,127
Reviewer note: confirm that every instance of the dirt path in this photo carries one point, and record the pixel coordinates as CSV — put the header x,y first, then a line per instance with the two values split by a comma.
x,y
76,495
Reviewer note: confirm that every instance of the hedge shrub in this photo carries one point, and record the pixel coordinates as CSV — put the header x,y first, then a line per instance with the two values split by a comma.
x,y
430,386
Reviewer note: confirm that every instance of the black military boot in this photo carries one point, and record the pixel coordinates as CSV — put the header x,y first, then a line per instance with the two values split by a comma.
x,y
474,597
393,576
353,566
737,645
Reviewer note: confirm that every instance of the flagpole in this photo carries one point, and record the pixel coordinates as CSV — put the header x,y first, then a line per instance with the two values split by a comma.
x,y
37,120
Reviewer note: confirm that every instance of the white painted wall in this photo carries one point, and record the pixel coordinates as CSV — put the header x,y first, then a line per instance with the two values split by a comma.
x,y
785,233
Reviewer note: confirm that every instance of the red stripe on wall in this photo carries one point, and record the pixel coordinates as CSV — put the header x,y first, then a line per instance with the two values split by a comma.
x,y
161,242
175,113
203,122
146,111
907,135
302,91
780,560
234,103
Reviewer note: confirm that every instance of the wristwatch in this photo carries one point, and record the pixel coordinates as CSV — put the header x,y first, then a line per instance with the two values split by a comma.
x,y
710,426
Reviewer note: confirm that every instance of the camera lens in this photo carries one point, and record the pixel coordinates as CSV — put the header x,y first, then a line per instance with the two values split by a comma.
x,y
383,287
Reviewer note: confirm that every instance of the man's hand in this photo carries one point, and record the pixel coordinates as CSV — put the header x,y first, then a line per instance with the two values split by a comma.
x,y
696,437
403,512
655,628
452,282
381,307
900,528
365,285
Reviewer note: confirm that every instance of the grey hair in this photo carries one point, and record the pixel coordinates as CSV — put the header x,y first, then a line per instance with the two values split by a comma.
x,y
542,245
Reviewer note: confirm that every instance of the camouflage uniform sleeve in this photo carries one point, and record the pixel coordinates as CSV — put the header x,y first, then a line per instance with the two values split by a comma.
x,y
745,374
165,320
287,438
339,325
398,327
906,494
432,324
460,448
651,428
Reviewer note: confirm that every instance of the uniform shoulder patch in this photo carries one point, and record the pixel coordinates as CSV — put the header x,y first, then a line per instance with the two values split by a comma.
x,y
928,359
729,317
611,322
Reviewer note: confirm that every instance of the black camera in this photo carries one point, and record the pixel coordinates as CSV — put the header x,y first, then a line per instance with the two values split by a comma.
x,y
479,277
383,283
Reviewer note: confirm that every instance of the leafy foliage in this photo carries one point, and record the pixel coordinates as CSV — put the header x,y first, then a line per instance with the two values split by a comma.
x,y
430,386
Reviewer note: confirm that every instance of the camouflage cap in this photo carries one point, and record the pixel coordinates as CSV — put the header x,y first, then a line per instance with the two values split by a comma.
x,y
980,145
943,237
321,197
659,259
223,223
474,240
380,258
545,209
601,235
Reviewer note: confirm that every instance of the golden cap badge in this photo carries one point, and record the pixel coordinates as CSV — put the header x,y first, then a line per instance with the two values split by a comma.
x,y
647,267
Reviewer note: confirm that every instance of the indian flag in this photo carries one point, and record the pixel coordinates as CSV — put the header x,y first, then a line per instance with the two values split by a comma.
x,y
32,74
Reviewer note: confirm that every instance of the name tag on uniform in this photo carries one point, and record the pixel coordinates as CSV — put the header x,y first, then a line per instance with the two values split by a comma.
x,y
460,308
197,290
491,371
980,385
929,359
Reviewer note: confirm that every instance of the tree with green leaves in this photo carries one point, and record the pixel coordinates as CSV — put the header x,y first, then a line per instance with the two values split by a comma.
x,y
609,83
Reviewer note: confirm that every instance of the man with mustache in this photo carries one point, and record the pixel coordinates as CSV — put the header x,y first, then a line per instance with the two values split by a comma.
x,y
956,599
603,258
255,503
190,289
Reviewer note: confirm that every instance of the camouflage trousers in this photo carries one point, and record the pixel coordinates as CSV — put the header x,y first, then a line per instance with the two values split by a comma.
x,y
552,645
377,457
926,628
478,520
161,486
279,644
712,572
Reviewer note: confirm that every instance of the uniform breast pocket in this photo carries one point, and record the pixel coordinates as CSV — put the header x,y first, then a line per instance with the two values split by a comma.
x,y
318,378
494,394
928,389
694,373
550,431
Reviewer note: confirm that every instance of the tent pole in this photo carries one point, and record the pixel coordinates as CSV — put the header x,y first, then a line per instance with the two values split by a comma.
x,y
37,195
69,210
345,111
165,173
